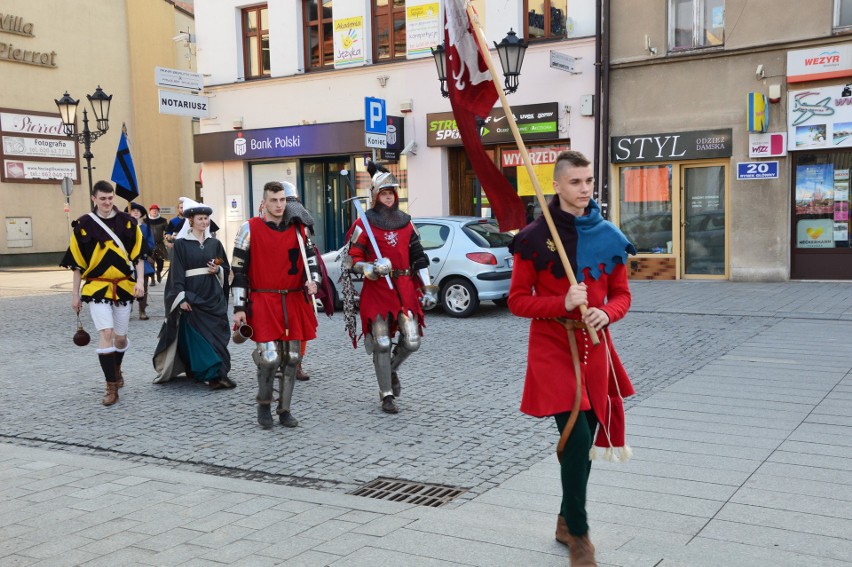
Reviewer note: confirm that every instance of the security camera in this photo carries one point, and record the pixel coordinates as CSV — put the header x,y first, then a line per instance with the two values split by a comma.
x,y
184,36
410,148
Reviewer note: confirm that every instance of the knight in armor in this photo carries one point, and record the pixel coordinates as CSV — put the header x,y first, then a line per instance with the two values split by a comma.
x,y
396,286
273,289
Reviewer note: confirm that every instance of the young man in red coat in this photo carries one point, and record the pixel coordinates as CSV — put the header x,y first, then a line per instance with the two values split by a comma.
x,y
541,291
273,294
388,309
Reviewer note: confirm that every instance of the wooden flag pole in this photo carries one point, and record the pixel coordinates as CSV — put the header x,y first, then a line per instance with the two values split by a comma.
x,y
486,54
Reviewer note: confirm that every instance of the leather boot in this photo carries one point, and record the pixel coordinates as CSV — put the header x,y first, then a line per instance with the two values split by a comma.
x,y
264,416
142,315
119,377
581,551
111,395
301,374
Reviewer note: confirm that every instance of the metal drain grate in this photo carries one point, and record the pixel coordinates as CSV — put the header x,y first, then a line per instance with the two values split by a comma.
x,y
422,494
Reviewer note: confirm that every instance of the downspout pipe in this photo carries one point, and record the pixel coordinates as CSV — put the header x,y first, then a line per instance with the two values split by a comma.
x,y
604,147
597,103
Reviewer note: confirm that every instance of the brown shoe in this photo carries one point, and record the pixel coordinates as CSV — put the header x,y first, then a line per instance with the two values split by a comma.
x,y
111,395
143,316
562,534
119,382
301,374
581,551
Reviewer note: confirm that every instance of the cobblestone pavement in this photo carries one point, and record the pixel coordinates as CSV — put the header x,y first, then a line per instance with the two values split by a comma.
x,y
459,422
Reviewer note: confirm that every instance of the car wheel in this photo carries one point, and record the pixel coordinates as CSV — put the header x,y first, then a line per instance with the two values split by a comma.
x,y
459,298
502,302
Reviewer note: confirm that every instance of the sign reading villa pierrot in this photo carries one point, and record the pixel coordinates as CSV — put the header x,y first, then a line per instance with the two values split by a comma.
x,y
672,146
21,52
818,63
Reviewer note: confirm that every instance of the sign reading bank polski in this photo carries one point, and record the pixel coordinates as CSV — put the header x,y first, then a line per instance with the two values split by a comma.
x,y
182,104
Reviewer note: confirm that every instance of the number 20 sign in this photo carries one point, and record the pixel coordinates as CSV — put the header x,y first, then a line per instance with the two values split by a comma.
x,y
757,170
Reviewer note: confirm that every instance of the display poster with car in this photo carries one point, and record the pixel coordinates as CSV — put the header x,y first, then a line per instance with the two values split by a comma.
x,y
819,118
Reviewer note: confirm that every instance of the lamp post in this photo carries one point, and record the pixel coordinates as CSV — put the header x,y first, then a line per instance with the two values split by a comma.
x,y
511,51
67,106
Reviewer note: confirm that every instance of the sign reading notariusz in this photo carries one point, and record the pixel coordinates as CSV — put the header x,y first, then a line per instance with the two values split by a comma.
x,y
184,104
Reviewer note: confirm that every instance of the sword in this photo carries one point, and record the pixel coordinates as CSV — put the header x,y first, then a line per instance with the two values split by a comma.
x,y
305,262
359,206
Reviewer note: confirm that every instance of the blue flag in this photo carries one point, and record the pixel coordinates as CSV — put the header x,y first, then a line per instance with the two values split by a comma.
x,y
123,173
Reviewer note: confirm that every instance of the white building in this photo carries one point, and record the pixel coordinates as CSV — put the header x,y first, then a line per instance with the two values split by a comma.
x,y
287,82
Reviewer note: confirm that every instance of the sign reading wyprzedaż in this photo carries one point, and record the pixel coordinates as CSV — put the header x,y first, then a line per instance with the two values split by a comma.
x,y
672,146
535,122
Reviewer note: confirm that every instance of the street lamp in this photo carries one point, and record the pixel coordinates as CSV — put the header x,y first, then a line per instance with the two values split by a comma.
x,y
67,106
511,51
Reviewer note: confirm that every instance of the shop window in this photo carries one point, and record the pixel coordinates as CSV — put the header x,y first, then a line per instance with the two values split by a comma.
x,y
695,24
388,30
843,14
546,19
513,168
319,34
255,22
645,207
821,216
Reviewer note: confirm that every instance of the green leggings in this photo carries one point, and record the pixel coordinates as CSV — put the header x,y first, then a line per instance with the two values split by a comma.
x,y
576,467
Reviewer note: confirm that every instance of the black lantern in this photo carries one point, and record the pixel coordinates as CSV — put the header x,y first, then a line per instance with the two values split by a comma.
x,y
100,106
67,106
511,51
68,113
440,55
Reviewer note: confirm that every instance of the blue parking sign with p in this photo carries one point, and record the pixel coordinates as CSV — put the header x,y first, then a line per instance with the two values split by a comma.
x,y
375,117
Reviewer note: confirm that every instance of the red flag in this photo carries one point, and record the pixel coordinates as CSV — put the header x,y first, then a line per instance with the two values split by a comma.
x,y
472,94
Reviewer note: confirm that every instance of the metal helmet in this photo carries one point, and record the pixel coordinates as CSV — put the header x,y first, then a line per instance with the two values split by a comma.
x,y
290,190
383,180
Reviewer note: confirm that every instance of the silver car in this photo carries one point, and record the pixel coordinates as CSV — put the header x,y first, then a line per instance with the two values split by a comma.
x,y
469,260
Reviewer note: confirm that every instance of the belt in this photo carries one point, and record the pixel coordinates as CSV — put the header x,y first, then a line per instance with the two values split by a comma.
x,y
399,273
113,283
571,323
283,293
197,272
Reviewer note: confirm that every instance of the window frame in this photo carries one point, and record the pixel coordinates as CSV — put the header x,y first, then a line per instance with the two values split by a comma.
x,y
697,27
836,25
387,14
256,36
318,23
548,9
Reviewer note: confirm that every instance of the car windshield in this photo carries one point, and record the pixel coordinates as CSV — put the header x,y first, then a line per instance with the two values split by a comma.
x,y
486,234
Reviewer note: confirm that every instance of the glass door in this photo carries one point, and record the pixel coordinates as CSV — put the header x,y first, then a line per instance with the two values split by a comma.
x,y
704,226
325,192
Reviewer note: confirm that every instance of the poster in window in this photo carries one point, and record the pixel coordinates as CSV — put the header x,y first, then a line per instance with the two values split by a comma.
x,y
841,233
815,233
647,184
422,28
815,189
348,42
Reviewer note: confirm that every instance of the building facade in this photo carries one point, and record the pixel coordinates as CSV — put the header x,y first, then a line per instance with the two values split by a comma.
x,y
51,47
288,80
729,141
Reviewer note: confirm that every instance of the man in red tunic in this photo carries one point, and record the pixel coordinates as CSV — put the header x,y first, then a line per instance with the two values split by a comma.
x,y
541,291
273,294
387,308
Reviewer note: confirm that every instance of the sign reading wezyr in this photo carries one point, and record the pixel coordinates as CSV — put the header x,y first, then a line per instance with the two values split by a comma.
x,y
819,63
672,146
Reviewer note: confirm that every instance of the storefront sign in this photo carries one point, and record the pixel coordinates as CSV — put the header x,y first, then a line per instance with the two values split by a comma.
x,y
535,122
757,170
395,139
819,63
183,104
700,144
35,149
815,233
288,141
422,27
542,160
39,147
767,145
178,79
348,41
18,53
819,118
758,113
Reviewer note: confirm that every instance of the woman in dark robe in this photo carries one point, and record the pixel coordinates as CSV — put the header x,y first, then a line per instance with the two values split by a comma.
x,y
194,338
